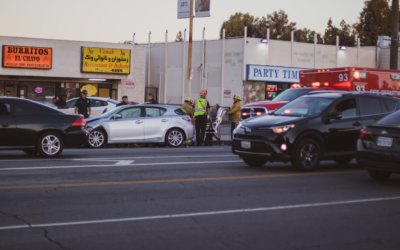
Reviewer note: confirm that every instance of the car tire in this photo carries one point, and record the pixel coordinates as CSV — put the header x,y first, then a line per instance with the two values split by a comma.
x,y
97,138
256,162
307,155
175,137
379,175
344,160
50,144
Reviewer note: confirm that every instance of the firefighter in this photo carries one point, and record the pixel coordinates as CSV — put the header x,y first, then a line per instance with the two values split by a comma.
x,y
201,108
234,112
188,107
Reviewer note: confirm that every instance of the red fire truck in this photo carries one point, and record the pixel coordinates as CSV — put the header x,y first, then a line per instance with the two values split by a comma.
x,y
377,81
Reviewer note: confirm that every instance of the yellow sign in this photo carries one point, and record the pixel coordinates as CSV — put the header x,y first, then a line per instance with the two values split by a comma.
x,y
106,60
90,88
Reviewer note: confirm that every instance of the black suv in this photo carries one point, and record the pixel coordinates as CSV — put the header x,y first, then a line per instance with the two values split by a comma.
x,y
310,128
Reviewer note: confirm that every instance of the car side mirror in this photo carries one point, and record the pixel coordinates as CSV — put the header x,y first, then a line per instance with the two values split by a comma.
x,y
334,116
116,117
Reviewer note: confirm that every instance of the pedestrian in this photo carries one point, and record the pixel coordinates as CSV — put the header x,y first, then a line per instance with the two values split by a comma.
x,y
150,99
124,101
82,105
201,108
234,113
188,107
60,102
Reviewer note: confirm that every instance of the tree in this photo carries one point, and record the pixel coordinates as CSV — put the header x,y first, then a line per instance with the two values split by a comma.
x,y
330,33
374,21
234,27
179,37
278,23
306,36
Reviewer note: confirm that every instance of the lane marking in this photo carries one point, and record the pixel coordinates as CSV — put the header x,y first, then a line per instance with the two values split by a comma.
x,y
166,181
111,166
202,214
123,163
121,157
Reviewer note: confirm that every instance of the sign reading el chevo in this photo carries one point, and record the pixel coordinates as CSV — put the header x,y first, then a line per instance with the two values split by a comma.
x,y
106,60
27,57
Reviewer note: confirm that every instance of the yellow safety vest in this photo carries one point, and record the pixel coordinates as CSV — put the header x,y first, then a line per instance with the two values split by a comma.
x,y
200,107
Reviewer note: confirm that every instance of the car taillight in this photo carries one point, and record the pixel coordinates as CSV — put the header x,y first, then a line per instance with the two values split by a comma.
x,y
259,113
79,122
365,134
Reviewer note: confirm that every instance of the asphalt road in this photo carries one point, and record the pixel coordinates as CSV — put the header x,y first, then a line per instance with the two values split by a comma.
x,y
190,198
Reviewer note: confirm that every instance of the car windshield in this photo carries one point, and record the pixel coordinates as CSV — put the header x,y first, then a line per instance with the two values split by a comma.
x,y
305,106
290,94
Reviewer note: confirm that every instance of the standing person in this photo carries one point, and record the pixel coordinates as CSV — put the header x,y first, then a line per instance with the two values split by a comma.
x,y
234,113
187,107
82,105
124,101
60,102
150,99
201,108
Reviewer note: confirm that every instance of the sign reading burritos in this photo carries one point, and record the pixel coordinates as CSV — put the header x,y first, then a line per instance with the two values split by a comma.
x,y
27,57
105,60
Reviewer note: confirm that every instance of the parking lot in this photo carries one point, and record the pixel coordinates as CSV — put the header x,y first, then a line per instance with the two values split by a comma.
x,y
189,198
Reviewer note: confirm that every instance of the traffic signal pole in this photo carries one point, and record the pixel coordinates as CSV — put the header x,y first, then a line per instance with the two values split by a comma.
x,y
395,35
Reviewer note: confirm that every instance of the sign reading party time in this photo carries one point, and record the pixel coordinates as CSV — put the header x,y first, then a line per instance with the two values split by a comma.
x,y
272,74
105,60
27,57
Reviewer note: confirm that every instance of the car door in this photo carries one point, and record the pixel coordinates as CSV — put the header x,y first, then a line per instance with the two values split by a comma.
x,y
155,123
341,132
127,128
7,125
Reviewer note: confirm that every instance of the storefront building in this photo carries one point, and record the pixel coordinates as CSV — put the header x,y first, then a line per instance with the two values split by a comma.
x,y
40,69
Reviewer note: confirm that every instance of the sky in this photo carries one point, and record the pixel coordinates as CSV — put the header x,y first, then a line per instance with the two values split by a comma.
x,y
118,20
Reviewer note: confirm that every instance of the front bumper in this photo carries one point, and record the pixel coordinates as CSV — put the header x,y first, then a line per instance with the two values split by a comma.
x,y
262,148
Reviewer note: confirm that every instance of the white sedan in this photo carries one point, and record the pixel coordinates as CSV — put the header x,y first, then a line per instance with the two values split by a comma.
x,y
145,123
99,105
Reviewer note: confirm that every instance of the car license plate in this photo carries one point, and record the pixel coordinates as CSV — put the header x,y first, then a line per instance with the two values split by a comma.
x,y
245,144
384,141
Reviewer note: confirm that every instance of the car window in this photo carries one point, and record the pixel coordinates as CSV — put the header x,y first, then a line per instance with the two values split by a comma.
x,y
28,108
4,108
392,104
130,113
97,103
154,112
179,112
346,107
391,119
290,94
370,105
71,103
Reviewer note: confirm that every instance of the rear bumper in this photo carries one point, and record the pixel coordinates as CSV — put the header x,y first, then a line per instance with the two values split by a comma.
x,y
375,160
75,137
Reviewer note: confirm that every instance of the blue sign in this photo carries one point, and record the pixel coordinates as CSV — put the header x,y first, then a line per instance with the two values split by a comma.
x,y
263,73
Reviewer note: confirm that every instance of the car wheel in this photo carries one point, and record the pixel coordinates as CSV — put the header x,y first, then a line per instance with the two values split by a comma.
x,y
50,144
307,155
254,161
97,138
30,152
344,160
379,175
175,137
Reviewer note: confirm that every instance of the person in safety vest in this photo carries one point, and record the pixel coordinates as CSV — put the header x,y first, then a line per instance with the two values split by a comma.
x,y
201,107
234,112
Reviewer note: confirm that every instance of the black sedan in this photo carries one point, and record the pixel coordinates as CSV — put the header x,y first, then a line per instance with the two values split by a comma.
x,y
309,129
38,129
378,148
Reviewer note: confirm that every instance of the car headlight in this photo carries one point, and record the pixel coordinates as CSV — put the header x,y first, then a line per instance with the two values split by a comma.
x,y
282,129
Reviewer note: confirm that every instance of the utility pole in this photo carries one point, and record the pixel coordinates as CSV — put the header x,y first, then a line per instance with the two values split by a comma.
x,y
394,48
190,48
